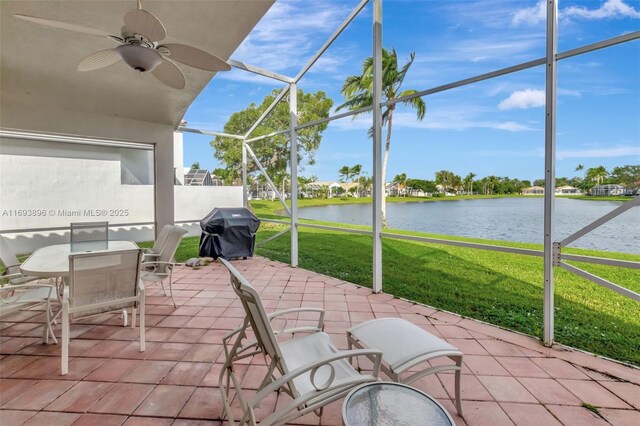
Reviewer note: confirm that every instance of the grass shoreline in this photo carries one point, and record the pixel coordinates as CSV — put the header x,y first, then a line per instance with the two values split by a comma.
x,y
317,202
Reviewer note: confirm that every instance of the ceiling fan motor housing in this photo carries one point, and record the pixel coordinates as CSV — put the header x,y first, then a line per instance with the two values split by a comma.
x,y
138,57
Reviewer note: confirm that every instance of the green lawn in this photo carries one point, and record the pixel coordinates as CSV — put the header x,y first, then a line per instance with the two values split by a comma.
x,y
500,288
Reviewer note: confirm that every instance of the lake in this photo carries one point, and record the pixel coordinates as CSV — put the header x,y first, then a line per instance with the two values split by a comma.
x,y
508,219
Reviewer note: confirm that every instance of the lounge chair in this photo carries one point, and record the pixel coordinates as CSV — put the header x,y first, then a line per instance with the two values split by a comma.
x,y
308,368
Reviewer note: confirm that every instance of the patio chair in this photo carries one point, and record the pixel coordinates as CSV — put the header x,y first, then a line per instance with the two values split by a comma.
x,y
308,368
154,252
100,283
161,268
16,297
87,236
11,264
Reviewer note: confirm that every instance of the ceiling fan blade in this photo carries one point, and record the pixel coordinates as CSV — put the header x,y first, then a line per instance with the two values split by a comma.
x,y
195,57
98,60
144,23
63,25
169,73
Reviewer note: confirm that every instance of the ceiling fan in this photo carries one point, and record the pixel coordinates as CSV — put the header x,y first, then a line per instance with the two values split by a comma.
x,y
140,48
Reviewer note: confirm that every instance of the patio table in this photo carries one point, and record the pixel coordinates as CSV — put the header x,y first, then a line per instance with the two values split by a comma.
x,y
393,404
53,261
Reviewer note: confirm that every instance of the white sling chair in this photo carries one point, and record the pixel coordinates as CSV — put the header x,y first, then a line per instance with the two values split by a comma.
x,y
154,252
18,291
158,269
11,263
308,368
99,283
16,297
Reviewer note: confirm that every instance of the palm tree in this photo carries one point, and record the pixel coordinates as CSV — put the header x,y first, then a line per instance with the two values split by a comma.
x,y
355,173
344,173
468,183
365,183
358,93
597,174
579,167
449,181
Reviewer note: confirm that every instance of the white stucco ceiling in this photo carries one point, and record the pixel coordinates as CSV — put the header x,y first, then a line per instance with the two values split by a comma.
x,y
38,63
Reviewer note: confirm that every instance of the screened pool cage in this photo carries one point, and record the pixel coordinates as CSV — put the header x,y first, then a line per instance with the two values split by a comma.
x,y
552,253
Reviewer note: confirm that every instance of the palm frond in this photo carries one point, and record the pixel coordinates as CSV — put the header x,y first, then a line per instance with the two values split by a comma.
x,y
405,68
417,103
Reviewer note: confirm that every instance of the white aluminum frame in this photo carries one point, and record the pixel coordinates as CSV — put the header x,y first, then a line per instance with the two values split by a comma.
x,y
552,250
550,167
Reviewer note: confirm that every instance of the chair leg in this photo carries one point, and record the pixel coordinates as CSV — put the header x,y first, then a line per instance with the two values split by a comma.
x,y
124,318
65,338
48,330
171,292
162,285
142,321
458,395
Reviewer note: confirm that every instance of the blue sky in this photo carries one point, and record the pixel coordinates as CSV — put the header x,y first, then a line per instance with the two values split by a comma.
x,y
495,127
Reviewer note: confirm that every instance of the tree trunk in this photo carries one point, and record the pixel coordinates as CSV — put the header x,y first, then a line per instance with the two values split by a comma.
x,y
384,167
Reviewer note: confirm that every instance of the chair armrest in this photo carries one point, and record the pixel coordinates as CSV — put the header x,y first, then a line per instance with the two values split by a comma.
x,y
372,354
152,266
28,285
285,330
11,276
239,348
13,288
157,262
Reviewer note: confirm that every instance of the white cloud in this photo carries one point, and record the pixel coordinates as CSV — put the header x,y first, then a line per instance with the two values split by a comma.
x,y
458,119
531,15
522,99
289,34
609,9
620,151
570,92
490,47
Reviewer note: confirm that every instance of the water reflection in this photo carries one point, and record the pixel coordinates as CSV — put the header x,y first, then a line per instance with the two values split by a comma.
x,y
509,219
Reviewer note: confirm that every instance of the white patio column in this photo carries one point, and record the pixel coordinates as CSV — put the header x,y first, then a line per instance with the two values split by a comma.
x,y
293,139
550,169
245,188
378,185
164,181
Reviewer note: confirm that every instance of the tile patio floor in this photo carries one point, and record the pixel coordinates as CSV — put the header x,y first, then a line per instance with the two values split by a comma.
x,y
508,378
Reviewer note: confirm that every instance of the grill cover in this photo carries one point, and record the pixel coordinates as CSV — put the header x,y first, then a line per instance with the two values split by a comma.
x,y
228,233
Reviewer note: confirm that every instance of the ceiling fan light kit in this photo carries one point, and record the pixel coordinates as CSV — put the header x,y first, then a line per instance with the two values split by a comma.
x,y
140,49
139,58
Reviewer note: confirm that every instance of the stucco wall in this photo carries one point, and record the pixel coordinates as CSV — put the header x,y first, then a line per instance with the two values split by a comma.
x,y
45,185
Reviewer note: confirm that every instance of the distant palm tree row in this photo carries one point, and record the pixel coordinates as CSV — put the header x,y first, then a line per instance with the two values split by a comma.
x,y
447,182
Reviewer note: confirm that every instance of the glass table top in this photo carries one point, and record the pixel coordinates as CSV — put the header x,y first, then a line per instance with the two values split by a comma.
x,y
392,404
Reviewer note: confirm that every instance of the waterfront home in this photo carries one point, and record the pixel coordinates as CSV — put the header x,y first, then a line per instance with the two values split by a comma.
x,y
566,190
607,190
396,189
318,189
534,190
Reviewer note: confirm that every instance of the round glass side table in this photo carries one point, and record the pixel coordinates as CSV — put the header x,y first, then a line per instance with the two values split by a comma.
x,y
392,404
